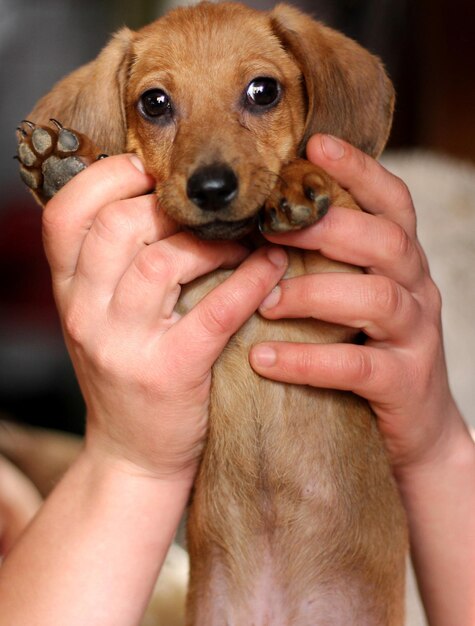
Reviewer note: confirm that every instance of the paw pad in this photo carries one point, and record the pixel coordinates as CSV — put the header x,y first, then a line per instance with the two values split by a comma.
x,y
301,197
50,156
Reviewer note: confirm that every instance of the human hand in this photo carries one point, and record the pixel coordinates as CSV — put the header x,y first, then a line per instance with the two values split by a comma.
x,y
401,368
117,266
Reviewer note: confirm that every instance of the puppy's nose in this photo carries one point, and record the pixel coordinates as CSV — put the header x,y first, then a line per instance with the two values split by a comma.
x,y
212,187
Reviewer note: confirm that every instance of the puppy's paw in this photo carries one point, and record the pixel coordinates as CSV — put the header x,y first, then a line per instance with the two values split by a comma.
x,y
51,155
301,197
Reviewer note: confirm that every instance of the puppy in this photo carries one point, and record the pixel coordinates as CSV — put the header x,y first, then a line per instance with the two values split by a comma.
x,y
295,517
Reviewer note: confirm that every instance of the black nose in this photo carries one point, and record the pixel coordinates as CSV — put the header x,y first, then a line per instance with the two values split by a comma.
x,y
212,187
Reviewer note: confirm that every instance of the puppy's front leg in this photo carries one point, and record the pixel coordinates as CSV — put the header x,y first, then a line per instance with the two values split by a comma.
x,y
302,196
51,155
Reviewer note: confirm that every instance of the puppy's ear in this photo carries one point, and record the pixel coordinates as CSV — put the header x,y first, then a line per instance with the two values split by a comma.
x,y
91,99
349,94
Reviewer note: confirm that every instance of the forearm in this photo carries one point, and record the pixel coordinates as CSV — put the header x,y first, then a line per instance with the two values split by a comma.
x,y
439,498
19,501
92,554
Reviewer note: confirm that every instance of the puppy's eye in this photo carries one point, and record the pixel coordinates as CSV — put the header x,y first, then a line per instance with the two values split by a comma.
x,y
155,103
263,93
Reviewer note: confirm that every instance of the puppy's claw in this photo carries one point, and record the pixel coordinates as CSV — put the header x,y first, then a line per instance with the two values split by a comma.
x,y
58,125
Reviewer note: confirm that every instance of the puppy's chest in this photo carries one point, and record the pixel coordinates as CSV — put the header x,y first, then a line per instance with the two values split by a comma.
x,y
259,329
260,417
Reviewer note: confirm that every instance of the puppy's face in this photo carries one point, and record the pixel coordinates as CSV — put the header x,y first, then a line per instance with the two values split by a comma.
x,y
215,106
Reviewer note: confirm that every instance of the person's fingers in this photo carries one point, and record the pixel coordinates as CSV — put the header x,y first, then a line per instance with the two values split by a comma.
x,y
69,215
150,287
119,232
376,305
374,188
206,329
379,245
364,370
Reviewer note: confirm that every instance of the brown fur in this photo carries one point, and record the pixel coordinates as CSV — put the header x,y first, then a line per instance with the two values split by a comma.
x,y
294,495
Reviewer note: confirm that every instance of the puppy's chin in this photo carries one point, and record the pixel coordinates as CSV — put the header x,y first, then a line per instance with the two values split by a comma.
x,y
224,230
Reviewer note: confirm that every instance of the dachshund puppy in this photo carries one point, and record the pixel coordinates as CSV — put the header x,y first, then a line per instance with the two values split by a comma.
x,y
295,517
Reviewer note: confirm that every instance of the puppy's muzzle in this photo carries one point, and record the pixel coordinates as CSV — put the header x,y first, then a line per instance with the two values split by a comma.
x,y
212,188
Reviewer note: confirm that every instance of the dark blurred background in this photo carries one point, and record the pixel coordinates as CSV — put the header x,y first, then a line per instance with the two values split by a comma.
x,y
428,47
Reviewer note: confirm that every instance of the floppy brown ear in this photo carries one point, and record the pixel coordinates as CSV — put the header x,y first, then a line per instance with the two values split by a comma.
x,y
91,99
349,94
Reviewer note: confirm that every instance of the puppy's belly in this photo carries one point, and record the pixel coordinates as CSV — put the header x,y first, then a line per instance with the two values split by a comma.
x,y
295,519
268,604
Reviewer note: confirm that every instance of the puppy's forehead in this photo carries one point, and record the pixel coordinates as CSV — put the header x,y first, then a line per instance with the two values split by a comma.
x,y
222,41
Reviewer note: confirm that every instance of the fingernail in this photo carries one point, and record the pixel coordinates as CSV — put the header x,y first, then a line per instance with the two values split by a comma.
x,y
264,356
277,256
332,147
271,300
137,163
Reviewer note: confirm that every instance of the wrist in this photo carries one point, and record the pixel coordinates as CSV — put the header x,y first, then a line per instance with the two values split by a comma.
x,y
139,458
438,494
115,489
105,529
107,465
453,451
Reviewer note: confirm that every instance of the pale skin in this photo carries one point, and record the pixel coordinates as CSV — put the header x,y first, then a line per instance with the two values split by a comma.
x,y
93,551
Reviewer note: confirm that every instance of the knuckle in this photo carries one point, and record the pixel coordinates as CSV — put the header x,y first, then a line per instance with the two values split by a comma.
x,y
388,297
251,284
54,218
434,298
401,198
154,265
432,343
361,364
429,299
300,292
398,244
73,324
111,220
304,362
258,283
101,360
218,319
401,193
107,361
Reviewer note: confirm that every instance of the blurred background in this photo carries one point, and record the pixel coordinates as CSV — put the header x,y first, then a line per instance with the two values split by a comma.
x,y
428,47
